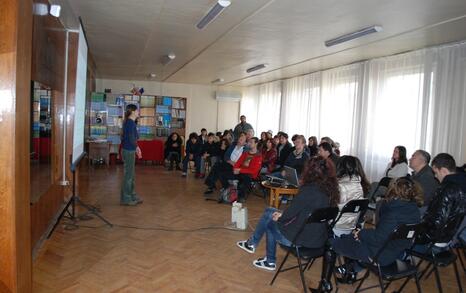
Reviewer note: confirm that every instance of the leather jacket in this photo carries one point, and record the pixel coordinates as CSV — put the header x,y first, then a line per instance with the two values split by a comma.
x,y
445,212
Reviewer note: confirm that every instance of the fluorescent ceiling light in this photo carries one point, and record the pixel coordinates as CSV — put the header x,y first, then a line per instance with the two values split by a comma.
x,y
218,80
353,35
152,75
257,67
213,13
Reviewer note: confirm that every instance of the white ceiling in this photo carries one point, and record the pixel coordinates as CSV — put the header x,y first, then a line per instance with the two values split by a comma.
x,y
128,38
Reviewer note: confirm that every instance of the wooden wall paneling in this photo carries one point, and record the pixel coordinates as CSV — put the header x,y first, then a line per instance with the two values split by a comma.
x,y
15,73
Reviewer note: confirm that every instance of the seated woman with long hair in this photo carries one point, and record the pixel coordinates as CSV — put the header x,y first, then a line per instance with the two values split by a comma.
x,y
269,156
173,150
396,168
400,206
319,189
353,185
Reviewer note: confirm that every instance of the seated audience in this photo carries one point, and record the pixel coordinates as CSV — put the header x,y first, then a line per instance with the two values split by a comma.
x,y
326,151
202,138
423,174
397,167
173,150
319,190
399,207
312,145
269,156
298,157
246,169
223,147
193,153
306,149
353,185
448,205
209,153
225,168
276,140
283,149
243,126
262,141
228,135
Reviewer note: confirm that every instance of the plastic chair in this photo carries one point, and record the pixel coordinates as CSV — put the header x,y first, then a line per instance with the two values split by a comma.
x,y
399,269
325,216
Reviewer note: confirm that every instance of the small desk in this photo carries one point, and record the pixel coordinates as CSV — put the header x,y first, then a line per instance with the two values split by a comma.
x,y
276,192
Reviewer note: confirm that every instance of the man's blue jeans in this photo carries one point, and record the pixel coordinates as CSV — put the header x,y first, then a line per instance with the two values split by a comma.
x,y
269,227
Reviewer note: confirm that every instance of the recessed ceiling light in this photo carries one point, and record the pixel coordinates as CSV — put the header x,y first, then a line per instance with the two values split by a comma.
x,y
152,75
165,59
213,13
353,35
218,80
257,67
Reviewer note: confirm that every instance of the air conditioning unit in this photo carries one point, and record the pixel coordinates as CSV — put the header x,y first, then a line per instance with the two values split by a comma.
x,y
228,96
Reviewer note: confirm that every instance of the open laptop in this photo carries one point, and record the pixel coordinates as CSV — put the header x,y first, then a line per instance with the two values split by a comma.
x,y
291,177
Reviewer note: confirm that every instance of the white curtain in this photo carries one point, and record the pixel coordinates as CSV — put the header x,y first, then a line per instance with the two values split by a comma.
x,y
339,96
448,121
392,112
416,99
300,105
261,106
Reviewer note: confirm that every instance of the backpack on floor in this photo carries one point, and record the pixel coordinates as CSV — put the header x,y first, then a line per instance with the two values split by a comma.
x,y
229,195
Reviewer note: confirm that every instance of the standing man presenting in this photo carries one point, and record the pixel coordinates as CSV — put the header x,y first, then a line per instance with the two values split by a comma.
x,y
243,126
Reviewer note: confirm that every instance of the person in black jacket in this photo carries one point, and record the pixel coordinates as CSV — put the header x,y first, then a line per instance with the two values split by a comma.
x,y
209,153
448,205
173,150
312,145
400,206
319,190
284,149
193,153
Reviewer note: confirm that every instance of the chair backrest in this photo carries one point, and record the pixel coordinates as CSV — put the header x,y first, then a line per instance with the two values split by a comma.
x,y
355,206
323,215
402,232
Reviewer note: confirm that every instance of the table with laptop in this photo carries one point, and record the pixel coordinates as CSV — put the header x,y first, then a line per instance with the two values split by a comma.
x,y
278,187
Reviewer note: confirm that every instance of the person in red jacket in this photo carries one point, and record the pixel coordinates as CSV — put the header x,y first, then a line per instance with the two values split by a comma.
x,y
247,168
269,156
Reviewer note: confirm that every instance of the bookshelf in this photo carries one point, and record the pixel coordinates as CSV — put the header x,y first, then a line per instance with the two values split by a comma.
x,y
159,116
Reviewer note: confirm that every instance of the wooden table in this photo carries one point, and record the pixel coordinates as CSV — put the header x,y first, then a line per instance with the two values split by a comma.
x,y
276,192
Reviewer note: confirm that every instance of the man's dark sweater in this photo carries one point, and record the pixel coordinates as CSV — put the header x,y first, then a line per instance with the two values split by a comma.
x,y
297,161
425,177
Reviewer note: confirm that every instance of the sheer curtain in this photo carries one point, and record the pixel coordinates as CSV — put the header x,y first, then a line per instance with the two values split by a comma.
x,y
261,106
392,112
300,105
339,97
448,121
416,99
249,105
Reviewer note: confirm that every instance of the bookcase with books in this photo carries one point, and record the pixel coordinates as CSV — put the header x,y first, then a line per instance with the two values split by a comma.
x,y
159,116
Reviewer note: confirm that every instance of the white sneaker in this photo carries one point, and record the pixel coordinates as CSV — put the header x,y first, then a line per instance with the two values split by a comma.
x,y
245,246
262,263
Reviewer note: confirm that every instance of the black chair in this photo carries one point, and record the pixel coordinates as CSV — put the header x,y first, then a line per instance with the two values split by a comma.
x,y
320,216
436,259
356,206
461,248
400,269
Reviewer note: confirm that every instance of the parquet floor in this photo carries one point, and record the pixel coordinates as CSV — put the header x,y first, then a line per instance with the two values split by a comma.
x,y
120,259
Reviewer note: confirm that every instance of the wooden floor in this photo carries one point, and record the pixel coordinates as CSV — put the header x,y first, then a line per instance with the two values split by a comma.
x,y
137,260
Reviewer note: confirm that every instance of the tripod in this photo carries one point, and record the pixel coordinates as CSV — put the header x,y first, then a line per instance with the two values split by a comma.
x,y
72,202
